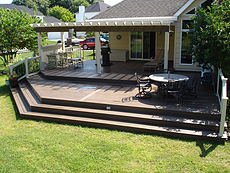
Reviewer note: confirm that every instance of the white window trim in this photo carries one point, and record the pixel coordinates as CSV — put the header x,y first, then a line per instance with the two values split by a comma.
x,y
190,14
183,30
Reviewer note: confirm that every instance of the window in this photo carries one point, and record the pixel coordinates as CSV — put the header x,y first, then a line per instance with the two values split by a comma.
x,y
191,12
186,58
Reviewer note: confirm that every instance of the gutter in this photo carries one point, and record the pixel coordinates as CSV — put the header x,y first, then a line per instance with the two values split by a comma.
x,y
137,19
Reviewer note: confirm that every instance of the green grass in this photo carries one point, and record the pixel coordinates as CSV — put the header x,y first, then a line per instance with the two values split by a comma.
x,y
36,146
50,42
88,55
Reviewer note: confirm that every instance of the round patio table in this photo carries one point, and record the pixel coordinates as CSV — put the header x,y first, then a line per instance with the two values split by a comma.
x,y
165,77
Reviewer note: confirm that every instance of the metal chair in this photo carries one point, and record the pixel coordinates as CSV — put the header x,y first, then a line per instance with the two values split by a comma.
x,y
144,87
189,89
173,88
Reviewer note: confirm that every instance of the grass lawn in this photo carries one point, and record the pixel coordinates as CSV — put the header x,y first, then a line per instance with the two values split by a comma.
x,y
32,146
36,146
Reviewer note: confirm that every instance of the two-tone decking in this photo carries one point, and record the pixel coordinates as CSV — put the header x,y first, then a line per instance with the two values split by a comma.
x,y
107,101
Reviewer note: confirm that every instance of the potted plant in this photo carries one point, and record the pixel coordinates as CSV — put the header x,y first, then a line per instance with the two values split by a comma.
x,y
13,79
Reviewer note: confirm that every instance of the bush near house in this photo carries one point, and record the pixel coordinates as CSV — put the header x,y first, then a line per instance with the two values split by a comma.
x,y
210,39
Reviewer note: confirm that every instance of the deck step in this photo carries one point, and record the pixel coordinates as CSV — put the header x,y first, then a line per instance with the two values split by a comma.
x,y
25,112
123,108
88,79
151,119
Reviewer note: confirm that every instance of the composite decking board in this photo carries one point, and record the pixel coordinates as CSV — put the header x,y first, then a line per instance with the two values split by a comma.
x,y
209,134
22,107
170,131
106,87
203,103
34,103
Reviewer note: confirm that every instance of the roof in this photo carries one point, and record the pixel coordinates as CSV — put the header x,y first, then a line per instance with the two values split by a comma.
x,y
51,20
20,7
97,7
142,8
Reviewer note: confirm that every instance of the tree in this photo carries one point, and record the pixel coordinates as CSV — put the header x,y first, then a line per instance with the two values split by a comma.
x,y
36,5
61,13
210,38
75,6
71,5
94,1
16,33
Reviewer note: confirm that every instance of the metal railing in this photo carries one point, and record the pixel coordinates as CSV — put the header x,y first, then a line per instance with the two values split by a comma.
x,y
221,93
25,61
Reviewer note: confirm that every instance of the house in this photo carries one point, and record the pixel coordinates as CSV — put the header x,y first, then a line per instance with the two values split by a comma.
x,y
137,30
89,12
51,35
142,43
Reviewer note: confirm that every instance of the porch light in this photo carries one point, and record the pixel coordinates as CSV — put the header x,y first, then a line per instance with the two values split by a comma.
x,y
171,33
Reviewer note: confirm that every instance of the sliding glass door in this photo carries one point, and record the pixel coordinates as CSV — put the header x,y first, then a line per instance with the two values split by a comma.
x,y
142,45
136,45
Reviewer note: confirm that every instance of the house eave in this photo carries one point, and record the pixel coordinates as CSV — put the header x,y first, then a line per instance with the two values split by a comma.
x,y
137,19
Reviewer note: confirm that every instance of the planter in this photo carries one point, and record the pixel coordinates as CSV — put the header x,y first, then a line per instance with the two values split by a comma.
x,y
7,82
13,82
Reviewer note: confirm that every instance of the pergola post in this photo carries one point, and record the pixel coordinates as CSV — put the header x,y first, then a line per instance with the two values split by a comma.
x,y
166,50
62,41
98,52
40,50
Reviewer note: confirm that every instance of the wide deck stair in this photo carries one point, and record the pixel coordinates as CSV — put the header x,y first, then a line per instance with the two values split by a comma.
x,y
177,124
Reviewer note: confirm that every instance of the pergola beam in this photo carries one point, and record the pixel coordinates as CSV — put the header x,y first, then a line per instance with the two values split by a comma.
x,y
101,28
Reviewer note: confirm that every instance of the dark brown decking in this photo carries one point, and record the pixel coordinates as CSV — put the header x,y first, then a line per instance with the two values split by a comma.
x,y
81,96
114,93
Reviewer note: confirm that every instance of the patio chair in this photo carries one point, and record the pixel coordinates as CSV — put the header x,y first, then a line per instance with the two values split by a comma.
x,y
156,62
173,88
52,60
144,87
189,88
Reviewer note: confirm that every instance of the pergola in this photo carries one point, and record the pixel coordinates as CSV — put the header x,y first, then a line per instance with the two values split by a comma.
x,y
153,24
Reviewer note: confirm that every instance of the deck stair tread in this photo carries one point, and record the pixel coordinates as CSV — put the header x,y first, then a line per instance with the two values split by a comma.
x,y
124,124
30,106
33,102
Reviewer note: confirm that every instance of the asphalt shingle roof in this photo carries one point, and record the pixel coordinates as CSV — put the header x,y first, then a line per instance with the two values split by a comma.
x,y
20,7
97,7
142,8
51,20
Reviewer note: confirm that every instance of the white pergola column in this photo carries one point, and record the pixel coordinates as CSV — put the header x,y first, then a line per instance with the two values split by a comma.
x,y
62,41
40,50
166,53
98,52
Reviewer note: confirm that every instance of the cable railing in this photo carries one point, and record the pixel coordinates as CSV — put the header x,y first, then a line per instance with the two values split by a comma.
x,y
221,93
29,67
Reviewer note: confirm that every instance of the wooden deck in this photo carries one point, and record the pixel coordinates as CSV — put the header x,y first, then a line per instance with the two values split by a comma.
x,y
117,86
107,100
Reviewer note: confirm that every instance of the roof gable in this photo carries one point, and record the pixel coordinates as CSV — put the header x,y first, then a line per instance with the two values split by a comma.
x,y
20,7
142,8
97,7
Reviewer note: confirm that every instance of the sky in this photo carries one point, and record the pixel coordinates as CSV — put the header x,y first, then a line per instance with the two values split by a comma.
x,y
109,2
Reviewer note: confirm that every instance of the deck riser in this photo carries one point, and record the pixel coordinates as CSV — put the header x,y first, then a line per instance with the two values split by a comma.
x,y
91,80
126,129
130,109
125,119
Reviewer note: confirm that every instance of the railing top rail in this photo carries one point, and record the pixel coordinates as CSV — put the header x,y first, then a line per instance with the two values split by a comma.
x,y
31,58
222,76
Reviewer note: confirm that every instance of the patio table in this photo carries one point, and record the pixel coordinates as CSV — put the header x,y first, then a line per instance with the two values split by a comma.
x,y
165,77
163,80
77,61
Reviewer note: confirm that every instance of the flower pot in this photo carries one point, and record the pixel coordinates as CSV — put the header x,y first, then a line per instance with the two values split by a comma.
x,y
13,82
7,82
